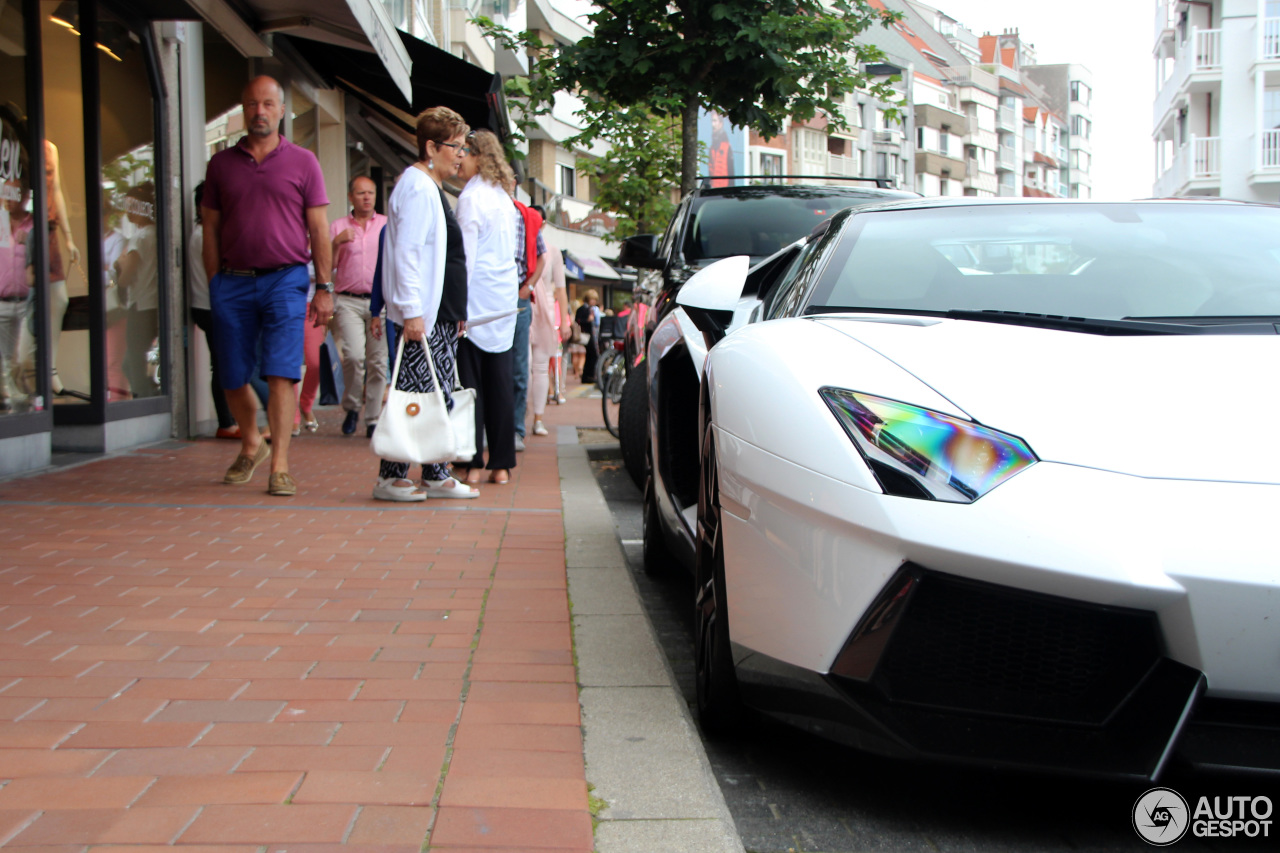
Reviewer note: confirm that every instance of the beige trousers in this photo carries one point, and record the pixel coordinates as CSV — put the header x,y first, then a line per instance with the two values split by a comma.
x,y
364,357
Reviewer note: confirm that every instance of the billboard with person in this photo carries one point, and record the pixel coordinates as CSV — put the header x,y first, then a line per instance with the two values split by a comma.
x,y
725,146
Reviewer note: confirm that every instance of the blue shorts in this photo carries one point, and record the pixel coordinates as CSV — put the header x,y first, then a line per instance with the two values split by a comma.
x,y
246,307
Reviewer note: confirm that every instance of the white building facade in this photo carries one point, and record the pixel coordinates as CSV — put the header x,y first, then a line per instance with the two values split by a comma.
x,y
1216,117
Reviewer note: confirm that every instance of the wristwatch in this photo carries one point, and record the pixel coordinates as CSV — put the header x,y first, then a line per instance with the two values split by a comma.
x,y
326,286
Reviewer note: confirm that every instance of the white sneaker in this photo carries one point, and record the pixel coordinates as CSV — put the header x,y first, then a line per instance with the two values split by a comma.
x,y
387,490
449,488
519,443
539,428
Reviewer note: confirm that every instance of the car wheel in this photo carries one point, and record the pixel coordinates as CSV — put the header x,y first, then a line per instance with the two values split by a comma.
x,y
633,422
658,560
719,707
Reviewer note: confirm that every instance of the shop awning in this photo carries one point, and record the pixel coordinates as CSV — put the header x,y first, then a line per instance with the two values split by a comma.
x,y
590,266
439,79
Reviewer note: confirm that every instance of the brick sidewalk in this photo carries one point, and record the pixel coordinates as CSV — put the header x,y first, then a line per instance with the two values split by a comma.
x,y
188,663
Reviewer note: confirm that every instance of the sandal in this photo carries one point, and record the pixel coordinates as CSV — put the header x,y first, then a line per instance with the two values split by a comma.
x,y
500,476
449,488
472,477
403,491
309,422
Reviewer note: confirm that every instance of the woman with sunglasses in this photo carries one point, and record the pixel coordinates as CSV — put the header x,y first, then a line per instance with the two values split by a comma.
x,y
415,272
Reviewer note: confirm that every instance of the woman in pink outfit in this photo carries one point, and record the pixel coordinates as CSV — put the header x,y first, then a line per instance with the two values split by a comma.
x,y
550,325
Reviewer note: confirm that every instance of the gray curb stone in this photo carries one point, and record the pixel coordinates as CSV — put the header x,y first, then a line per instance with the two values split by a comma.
x,y
643,753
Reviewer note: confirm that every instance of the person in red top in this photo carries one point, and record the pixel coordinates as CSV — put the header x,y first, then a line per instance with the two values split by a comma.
x,y
364,357
264,220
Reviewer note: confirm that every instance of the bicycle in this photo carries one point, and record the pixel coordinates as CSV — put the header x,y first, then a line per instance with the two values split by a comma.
x,y
611,376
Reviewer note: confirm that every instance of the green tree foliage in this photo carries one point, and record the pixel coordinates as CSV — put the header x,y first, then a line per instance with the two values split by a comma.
x,y
641,172
757,62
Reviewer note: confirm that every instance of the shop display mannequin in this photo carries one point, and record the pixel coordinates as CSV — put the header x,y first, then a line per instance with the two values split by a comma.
x,y
57,223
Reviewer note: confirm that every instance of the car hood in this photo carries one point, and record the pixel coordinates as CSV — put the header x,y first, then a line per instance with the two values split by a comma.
x,y
1199,407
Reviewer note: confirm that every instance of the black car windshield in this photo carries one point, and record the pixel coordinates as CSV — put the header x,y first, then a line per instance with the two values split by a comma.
x,y
759,222
1107,261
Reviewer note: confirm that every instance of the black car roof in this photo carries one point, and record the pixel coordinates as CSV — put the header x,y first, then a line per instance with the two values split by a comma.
x,y
802,191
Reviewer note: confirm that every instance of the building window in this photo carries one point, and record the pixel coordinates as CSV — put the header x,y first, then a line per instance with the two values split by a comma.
x,y
810,151
770,165
566,181
1080,126
1080,92
1271,108
882,165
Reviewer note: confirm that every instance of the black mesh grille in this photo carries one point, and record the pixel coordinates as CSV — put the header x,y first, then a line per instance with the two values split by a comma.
x,y
984,648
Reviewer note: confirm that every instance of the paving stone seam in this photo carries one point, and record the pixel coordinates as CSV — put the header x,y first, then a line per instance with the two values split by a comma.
x,y
294,508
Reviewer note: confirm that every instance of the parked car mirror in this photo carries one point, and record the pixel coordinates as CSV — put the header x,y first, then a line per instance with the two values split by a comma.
x,y
641,252
710,296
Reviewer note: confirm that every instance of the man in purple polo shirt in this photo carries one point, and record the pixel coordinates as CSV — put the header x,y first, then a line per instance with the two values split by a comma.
x,y
364,357
264,219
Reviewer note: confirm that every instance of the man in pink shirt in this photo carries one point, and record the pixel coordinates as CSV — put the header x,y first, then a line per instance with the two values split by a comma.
x,y
364,356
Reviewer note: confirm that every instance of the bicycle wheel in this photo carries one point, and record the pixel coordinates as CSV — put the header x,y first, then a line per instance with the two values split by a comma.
x,y
609,362
611,397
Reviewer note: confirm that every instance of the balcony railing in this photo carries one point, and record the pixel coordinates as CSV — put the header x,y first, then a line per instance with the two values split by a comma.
x,y
1208,50
1271,38
1166,19
1199,54
1208,158
1200,159
1008,158
1270,158
1006,119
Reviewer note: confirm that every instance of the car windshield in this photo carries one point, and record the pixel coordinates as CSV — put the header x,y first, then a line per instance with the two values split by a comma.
x,y
1107,261
760,223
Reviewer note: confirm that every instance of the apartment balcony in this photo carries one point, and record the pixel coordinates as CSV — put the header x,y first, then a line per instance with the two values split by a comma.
x,y
1197,166
937,163
842,167
931,115
1166,19
1266,158
1197,68
887,137
1007,158
1007,119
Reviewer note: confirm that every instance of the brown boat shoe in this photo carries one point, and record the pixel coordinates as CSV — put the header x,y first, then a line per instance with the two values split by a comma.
x,y
241,471
282,485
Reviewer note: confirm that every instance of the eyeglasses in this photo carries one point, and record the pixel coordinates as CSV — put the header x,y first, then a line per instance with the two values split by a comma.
x,y
462,149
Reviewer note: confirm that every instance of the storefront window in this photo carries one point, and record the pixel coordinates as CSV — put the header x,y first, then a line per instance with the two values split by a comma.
x,y
17,219
64,216
130,253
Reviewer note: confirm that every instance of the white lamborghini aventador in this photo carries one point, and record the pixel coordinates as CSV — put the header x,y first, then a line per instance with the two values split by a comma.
x,y
996,482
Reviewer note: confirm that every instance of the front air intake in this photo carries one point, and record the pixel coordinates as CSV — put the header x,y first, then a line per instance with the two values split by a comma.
x,y
967,646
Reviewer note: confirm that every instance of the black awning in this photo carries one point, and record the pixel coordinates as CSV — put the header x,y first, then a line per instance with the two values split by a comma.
x,y
439,79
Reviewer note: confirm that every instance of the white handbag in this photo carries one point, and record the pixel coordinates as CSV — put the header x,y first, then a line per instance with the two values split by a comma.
x,y
414,426
463,418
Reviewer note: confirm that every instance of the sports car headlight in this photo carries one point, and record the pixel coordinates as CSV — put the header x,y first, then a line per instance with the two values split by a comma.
x,y
918,453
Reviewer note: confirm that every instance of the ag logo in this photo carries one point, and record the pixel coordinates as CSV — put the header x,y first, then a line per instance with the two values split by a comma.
x,y
1161,817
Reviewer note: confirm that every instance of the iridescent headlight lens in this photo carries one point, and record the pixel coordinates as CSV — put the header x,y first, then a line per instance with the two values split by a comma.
x,y
919,453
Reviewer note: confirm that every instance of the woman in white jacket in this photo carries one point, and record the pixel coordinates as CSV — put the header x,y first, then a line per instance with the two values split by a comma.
x,y
485,357
412,283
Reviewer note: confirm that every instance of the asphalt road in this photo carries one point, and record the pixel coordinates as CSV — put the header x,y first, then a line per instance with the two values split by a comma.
x,y
789,791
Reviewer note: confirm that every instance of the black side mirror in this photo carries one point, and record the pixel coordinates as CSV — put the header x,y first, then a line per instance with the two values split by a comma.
x,y
641,252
